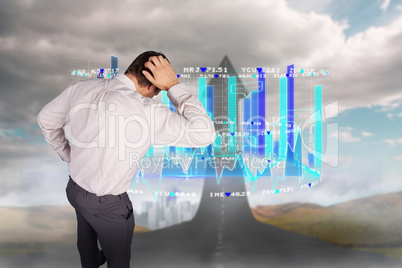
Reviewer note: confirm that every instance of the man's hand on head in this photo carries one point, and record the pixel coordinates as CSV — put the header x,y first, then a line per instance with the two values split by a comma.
x,y
164,76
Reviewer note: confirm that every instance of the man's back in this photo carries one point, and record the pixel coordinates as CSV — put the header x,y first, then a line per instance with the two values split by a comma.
x,y
112,126
113,123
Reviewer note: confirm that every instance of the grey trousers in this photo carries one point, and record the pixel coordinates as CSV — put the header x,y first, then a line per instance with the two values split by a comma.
x,y
107,218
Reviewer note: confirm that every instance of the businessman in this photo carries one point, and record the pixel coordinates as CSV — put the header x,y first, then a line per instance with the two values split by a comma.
x,y
113,123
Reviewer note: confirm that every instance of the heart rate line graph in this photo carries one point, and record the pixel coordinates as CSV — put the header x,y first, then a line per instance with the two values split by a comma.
x,y
248,144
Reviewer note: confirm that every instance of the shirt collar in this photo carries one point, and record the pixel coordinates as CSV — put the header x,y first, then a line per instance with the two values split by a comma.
x,y
126,81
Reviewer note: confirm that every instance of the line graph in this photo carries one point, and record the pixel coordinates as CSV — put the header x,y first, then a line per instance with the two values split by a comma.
x,y
248,145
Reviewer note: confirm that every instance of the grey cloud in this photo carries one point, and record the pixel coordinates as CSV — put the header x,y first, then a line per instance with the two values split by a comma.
x,y
39,38
36,45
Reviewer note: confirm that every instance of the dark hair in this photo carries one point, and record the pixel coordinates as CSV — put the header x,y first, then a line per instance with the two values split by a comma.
x,y
137,66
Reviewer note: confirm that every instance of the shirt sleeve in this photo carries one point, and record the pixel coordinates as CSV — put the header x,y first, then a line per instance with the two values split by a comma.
x,y
189,127
52,118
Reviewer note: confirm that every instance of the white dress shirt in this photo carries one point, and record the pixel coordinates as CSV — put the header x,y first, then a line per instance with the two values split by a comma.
x,y
112,127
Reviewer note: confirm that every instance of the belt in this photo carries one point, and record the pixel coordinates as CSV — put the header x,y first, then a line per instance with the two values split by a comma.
x,y
78,188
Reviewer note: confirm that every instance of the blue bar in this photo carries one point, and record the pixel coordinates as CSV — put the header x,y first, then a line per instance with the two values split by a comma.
x,y
179,151
310,158
113,66
165,100
217,144
246,126
282,116
202,96
291,106
268,145
254,121
210,102
261,111
172,150
318,126
171,106
232,112
298,157
276,150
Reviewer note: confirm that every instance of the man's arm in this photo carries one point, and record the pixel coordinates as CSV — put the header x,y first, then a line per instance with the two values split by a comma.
x,y
190,126
52,118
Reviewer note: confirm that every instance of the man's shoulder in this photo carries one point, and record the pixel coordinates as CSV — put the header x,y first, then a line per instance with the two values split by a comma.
x,y
88,86
136,97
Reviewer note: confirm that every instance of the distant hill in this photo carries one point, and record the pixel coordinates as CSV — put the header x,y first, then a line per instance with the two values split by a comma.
x,y
28,229
369,223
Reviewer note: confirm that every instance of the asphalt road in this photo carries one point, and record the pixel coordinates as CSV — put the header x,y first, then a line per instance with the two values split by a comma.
x,y
222,234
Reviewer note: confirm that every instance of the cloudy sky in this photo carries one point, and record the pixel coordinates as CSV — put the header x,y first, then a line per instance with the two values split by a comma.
x,y
360,43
